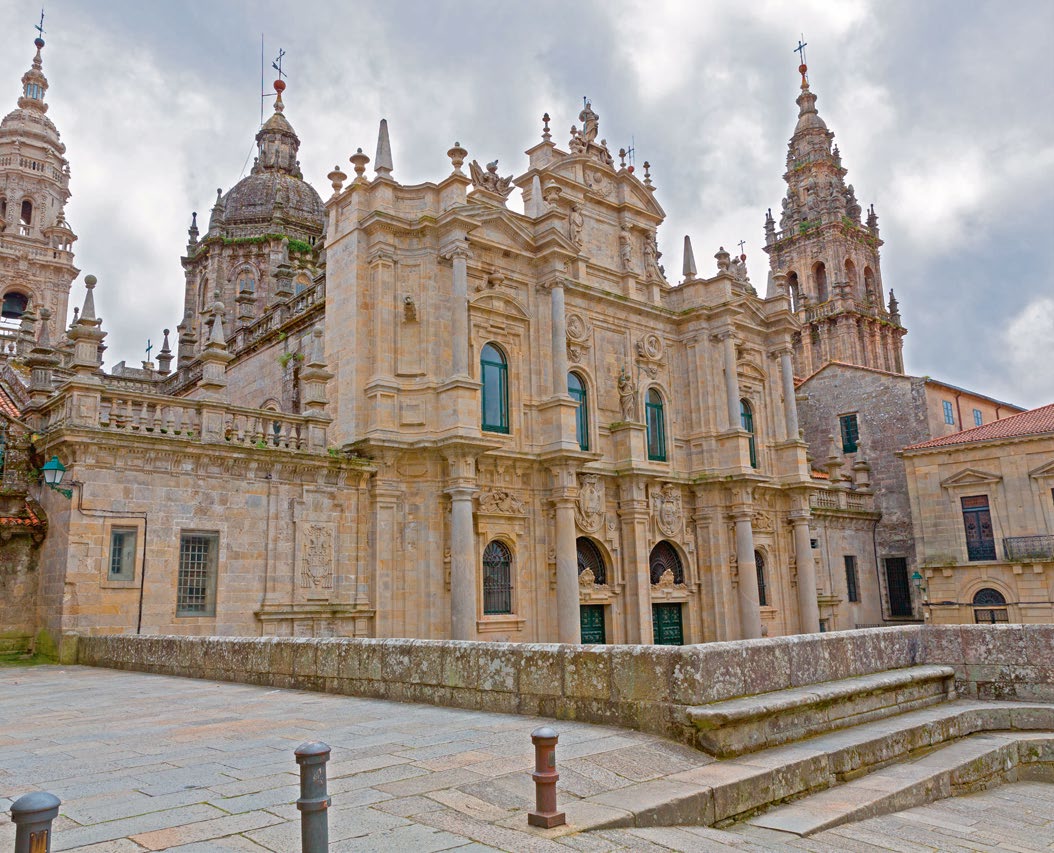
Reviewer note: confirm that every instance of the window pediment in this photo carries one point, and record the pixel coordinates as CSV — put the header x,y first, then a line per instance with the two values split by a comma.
x,y
970,477
1043,472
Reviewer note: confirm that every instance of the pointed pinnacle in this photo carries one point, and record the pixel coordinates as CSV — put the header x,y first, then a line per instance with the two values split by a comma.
x,y
689,270
382,164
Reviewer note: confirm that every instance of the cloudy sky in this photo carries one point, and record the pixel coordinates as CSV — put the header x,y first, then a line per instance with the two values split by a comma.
x,y
944,112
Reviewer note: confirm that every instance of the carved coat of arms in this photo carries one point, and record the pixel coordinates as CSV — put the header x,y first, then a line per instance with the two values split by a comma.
x,y
589,513
668,512
317,563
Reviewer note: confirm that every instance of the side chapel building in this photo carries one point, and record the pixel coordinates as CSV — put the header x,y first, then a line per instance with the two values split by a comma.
x,y
407,410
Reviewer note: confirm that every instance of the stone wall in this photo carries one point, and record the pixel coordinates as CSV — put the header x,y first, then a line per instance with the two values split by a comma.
x,y
640,687
19,587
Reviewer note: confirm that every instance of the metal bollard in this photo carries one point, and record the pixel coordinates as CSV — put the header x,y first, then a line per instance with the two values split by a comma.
x,y
545,814
33,814
314,801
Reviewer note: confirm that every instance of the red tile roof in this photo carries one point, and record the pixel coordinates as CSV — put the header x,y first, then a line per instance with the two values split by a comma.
x,y
1033,422
7,405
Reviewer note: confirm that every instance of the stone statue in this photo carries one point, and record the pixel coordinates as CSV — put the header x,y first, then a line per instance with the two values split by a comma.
x,y
490,180
576,221
627,396
625,248
590,123
787,217
652,270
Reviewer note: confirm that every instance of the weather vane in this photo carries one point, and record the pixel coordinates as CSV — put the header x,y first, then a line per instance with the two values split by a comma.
x,y
40,27
149,347
277,64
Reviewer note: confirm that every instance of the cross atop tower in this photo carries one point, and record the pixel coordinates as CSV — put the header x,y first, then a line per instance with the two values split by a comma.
x,y
277,64
40,27
800,49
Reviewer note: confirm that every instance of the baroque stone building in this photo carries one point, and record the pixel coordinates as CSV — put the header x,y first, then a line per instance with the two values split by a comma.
x,y
412,411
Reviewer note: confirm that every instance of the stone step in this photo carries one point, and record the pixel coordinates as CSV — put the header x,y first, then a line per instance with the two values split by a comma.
x,y
735,789
738,726
968,764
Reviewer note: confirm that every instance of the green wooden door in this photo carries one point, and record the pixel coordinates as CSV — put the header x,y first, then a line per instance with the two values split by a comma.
x,y
593,623
666,624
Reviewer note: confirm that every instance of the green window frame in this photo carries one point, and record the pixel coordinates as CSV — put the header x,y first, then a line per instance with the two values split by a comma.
x,y
122,554
196,581
746,417
850,429
576,387
494,376
655,419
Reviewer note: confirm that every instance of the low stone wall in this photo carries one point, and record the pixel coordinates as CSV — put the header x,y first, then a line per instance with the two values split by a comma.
x,y
640,687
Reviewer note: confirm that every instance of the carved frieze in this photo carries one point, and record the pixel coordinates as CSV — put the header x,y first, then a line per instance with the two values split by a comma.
x,y
500,502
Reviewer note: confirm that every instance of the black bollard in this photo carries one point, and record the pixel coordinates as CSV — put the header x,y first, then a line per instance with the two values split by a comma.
x,y
314,801
33,814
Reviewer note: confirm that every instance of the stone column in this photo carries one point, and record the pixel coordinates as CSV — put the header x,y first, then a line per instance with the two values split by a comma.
x,y
749,605
728,340
808,609
459,322
463,593
790,407
568,614
559,324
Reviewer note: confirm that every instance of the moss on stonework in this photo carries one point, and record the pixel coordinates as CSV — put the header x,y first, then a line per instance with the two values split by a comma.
x,y
295,246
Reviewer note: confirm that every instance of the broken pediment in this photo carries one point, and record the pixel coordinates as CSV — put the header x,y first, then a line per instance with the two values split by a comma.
x,y
1043,471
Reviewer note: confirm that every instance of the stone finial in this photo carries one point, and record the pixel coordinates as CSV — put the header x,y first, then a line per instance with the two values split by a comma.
x,y
88,311
383,164
216,337
647,176
622,158
835,460
457,156
336,179
192,231
359,161
164,358
777,284
894,307
688,268
44,338
546,135
722,260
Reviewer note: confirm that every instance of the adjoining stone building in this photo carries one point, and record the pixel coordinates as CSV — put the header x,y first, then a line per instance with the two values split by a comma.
x,y
412,411
982,503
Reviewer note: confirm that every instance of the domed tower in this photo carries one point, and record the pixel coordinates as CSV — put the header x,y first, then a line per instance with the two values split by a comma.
x,y
830,257
36,243
264,240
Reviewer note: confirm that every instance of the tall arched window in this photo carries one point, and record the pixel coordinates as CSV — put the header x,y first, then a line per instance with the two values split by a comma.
x,y
494,374
589,557
577,389
794,289
664,558
763,592
869,285
819,273
497,578
26,217
246,281
15,304
746,417
656,423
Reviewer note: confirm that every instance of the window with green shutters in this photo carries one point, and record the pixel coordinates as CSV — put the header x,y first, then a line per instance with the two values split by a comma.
x,y
656,424
577,389
746,416
850,433
494,375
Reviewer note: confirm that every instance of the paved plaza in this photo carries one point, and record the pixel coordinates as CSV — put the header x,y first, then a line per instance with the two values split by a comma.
x,y
144,762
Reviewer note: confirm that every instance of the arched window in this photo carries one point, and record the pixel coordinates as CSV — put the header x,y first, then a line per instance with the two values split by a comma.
x,y
989,606
301,284
3,213
746,417
15,304
869,285
589,557
26,218
656,423
577,389
819,273
494,374
794,289
850,277
664,558
246,281
497,578
763,592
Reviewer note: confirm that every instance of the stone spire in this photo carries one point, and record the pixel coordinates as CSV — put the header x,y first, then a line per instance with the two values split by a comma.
x,y
382,163
277,143
34,83
688,267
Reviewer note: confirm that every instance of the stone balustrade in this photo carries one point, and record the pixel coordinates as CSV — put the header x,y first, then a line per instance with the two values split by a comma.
x,y
649,688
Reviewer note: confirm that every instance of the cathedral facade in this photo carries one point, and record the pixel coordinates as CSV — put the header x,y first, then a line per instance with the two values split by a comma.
x,y
411,411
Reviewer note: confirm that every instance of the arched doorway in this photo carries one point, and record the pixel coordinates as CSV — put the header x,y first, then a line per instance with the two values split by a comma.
x,y
667,618
592,616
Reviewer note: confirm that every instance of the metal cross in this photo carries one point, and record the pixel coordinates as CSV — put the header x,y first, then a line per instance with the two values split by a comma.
x,y
800,49
149,347
277,64
40,27
631,152
742,243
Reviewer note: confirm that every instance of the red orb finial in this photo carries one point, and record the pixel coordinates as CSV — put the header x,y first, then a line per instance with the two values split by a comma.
x,y
743,257
279,85
803,68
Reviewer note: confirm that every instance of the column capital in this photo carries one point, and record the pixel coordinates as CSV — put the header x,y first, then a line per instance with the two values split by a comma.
x,y
461,492
455,249
724,334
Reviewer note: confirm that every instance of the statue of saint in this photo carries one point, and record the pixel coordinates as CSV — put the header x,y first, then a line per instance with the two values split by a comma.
x,y
627,396
576,221
625,248
590,123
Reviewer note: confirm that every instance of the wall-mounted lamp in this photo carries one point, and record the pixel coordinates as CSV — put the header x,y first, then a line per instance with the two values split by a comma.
x,y
53,471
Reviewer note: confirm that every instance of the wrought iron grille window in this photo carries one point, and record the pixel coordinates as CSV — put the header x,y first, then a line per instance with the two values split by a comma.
x,y
577,389
664,557
852,589
589,557
494,374
746,416
989,607
850,433
763,592
897,587
122,553
196,584
977,519
656,423
497,578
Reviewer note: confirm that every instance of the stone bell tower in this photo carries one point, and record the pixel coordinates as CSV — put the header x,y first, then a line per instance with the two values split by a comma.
x,y
830,257
36,243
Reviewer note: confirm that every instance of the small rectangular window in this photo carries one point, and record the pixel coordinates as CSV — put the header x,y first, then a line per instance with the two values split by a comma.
x,y
850,433
852,589
122,554
196,584
978,418
949,414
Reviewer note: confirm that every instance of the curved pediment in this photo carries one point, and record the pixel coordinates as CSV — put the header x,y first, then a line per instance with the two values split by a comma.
x,y
500,303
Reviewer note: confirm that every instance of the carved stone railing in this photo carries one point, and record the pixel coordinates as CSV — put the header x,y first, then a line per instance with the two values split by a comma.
x,y
824,500
1025,549
842,499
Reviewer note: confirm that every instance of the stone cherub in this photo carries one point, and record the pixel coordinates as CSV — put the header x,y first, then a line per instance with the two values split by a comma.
x,y
490,180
